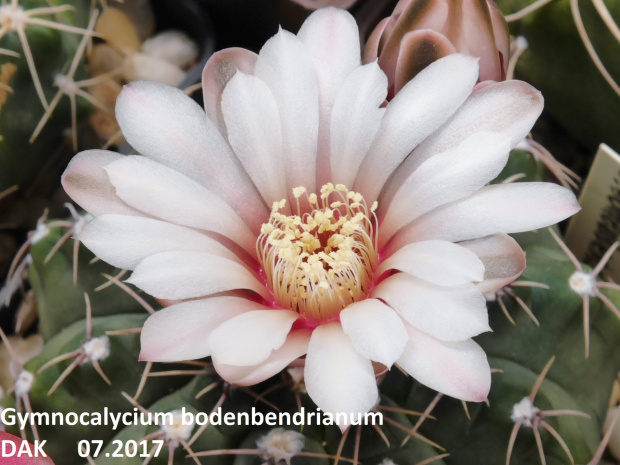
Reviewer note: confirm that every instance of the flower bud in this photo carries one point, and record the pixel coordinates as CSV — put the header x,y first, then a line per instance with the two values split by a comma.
x,y
422,31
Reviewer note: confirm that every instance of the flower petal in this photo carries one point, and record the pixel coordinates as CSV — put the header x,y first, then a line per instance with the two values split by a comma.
x,y
444,178
356,118
438,262
167,194
338,378
446,313
423,105
295,346
185,275
87,183
166,125
124,241
253,123
509,107
333,40
503,259
375,331
248,339
508,208
458,369
180,332
287,67
220,69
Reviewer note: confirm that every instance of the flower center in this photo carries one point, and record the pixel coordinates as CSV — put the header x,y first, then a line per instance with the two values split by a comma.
x,y
321,260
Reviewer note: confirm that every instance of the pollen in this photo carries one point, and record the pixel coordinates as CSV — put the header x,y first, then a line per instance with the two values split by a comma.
x,y
323,258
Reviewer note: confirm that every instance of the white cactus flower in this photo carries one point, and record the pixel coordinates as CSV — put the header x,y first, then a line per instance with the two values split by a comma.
x,y
302,217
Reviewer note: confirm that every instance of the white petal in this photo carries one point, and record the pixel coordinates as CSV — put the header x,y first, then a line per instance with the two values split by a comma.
x,y
180,332
184,275
338,378
253,123
295,346
332,38
508,208
333,41
87,183
503,259
509,107
376,332
458,369
124,241
167,194
446,177
356,118
248,339
423,105
438,262
447,313
220,69
286,66
166,125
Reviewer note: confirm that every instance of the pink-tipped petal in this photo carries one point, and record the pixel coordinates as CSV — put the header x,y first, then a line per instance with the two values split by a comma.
x,y
447,313
438,262
375,330
87,183
338,379
254,132
503,259
422,106
192,321
248,339
185,275
295,346
124,241
287,67
332,38
166,125
220,69
508,208
167,194
444,178
457,369
356,118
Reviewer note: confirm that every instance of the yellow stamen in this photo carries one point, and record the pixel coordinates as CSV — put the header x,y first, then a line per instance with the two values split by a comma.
x,y
319,262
